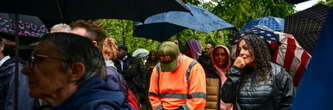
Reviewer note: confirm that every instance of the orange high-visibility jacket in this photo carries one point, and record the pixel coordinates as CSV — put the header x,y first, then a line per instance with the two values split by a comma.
x,y
171,90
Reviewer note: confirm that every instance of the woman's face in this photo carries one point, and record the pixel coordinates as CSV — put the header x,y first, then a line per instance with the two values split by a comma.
x,y
245,52
220,57
153,56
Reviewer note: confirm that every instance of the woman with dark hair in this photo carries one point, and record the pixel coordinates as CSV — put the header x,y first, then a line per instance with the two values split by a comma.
x,y
254,82
216,76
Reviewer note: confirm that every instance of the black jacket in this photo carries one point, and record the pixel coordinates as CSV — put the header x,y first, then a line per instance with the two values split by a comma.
x,y
276,93
133,72
8,87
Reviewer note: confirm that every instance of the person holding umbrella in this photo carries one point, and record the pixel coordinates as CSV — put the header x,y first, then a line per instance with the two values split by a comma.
x,y
254,82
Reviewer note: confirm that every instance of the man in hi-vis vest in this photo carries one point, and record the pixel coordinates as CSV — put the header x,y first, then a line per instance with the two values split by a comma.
x,y
177,82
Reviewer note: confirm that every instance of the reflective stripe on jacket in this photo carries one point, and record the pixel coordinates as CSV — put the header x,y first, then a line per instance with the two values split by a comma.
x,y
172,90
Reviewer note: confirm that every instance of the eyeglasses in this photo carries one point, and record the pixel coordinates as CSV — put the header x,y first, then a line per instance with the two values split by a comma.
x,y
36,59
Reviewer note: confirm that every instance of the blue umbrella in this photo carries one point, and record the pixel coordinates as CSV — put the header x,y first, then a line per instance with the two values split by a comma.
x,y
274,23
161,26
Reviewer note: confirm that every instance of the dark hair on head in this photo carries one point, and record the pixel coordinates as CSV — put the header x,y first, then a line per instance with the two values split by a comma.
x,y
260,50
74,48
93,28
151,53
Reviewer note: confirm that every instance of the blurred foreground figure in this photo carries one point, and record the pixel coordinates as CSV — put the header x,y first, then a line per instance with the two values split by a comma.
x,y
70,77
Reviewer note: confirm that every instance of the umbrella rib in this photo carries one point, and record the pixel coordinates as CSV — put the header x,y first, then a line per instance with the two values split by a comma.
x,y
60,10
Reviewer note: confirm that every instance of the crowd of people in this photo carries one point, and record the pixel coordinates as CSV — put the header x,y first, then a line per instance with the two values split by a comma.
x,y
79,67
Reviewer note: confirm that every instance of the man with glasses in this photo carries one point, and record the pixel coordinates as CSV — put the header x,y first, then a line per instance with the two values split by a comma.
x,y
70,77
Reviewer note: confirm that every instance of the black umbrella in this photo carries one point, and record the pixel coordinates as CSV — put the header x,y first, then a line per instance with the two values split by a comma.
x,y
306,25
28,28
137,10
296,1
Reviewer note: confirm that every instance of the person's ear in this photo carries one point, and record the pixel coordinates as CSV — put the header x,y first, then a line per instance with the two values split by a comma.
x,y
78,70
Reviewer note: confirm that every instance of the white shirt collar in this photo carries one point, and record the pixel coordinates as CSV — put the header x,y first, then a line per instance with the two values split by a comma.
x,y
109,63
3,60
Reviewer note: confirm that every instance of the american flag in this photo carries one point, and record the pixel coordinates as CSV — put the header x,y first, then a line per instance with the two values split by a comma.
x,y
286,50
291,56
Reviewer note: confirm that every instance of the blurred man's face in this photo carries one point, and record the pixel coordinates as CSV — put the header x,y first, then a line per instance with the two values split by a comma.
x,y
121,53
208,49
45,71
84,33
79,31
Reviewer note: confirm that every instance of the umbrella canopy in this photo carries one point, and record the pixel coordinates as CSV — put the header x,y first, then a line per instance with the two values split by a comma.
x,y
264,33
161,26
296,1
137,10
274,23
285,50
305,25
28,28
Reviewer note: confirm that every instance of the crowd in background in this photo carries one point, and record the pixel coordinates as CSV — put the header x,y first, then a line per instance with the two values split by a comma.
x,y
77,66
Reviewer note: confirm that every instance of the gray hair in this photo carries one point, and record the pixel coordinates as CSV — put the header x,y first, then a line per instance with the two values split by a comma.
x,y
69,46
62,27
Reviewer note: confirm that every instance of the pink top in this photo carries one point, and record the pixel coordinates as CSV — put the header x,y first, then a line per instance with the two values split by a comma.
x,y
223,77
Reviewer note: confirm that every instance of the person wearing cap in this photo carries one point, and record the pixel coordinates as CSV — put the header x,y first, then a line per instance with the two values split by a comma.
x,y
177,82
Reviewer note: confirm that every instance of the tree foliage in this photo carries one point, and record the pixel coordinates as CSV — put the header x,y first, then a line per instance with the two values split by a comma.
x,y
327,2
122,31
236,12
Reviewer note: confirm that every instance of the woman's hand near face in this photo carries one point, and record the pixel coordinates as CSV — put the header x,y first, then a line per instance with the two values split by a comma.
x,y
240,62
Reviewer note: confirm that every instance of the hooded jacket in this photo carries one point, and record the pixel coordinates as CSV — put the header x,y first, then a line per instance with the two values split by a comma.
x,y
96,94
214,80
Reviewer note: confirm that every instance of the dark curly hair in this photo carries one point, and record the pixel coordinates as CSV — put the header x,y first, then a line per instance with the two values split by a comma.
x,y
260,50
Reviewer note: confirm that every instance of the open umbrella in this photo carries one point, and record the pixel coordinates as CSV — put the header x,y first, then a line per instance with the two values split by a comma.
x,y
161,26
265,33
20,27
28,28
274,23
285,50
305,25
137,10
